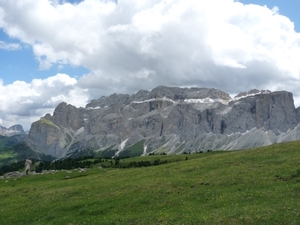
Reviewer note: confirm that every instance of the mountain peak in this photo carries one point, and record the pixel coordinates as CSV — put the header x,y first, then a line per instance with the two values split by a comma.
x,y
13,130
251,93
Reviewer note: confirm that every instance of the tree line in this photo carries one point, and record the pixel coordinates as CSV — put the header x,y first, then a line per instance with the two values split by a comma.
x,y
81,162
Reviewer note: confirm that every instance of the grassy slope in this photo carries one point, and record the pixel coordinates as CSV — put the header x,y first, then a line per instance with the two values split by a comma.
x,y
19,152
7,153
259,186
135,150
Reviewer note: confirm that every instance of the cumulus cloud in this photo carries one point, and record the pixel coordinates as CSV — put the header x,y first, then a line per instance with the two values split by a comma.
x,y
163,40
135,44
20,100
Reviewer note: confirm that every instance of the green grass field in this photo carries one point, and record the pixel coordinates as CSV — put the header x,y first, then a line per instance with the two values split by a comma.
x,y
258,186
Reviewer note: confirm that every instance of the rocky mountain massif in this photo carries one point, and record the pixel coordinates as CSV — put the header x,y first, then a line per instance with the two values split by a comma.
x,y
11,131
167,120
12,135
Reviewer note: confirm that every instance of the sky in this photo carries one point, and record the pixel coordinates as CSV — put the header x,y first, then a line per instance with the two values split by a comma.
x,y
54,51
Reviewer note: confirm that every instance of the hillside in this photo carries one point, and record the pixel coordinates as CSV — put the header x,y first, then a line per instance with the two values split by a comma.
x,y
12,140
259,186
11,152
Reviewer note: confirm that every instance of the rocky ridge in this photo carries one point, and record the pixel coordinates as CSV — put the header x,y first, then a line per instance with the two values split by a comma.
x,y
167,119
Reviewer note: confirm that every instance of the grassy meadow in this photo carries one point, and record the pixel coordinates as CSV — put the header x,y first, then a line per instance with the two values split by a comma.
x,y
6,156
4,153
258,186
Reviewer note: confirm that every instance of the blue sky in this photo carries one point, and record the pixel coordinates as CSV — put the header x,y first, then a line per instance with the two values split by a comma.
x,y
21,64
75,51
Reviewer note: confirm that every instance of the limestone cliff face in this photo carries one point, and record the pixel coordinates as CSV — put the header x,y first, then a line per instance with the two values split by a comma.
x,y
68,116
51,135
168,119
45,137
271,111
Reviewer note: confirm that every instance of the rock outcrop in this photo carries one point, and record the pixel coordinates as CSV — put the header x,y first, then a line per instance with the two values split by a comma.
x,y
167,119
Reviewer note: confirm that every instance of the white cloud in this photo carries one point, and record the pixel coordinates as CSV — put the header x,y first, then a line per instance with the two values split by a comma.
x,y
9,46
139,44
131,36
27,102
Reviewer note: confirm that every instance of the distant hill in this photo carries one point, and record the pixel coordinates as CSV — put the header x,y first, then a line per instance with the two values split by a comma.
x,y
12,140
11,151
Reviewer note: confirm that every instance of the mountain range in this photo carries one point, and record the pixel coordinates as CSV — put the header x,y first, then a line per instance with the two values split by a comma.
x,y
165,120
169,120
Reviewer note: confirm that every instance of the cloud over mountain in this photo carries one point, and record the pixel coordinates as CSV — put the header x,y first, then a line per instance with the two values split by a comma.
x,y
20,101
133,44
